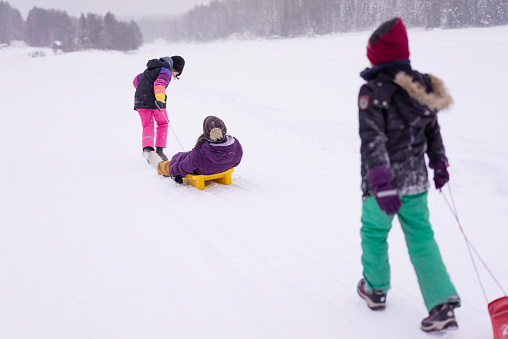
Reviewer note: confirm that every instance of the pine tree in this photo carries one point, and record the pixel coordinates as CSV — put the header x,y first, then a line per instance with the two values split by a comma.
x,y
45,28
94,26
11,23
83,40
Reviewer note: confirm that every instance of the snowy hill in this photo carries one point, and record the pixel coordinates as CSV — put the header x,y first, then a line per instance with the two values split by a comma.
x,y
94,244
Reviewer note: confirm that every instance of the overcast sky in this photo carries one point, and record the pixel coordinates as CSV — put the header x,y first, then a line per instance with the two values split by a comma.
x,y
118,7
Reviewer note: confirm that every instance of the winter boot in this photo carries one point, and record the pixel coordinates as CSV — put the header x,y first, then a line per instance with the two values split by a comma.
x,y
440,318
376,300
160,152
154,159
147,151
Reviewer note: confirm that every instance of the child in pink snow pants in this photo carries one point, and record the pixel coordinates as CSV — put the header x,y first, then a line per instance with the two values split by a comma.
x,y
150,101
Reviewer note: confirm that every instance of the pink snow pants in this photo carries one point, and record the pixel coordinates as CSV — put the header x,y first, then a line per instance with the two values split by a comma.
x,y
147,116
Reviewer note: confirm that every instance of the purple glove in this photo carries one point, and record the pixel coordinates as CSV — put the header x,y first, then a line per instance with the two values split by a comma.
x,y
441,176
386,196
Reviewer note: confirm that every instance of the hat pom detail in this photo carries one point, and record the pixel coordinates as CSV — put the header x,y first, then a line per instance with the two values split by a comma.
x,y
216,134
210,125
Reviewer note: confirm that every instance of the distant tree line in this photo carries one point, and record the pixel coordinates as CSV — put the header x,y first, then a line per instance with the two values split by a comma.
x,y
292,18
53,28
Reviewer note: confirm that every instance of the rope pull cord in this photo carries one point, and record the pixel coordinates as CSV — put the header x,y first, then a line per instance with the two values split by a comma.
x,y
470,246
167,120
176,136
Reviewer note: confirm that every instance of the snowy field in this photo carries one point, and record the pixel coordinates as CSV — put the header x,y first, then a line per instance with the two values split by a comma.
x,y
94,244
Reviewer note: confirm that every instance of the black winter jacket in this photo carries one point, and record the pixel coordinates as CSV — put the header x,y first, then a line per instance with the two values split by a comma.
x,y
398,124
157,72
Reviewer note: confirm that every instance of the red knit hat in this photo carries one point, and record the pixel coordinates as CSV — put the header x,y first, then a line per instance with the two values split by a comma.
x,y
388,43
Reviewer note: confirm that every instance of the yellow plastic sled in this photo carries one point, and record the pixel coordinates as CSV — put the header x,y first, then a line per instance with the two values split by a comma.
x,y
199,180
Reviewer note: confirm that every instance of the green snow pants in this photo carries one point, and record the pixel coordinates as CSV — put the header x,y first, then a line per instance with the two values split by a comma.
x,y
434,281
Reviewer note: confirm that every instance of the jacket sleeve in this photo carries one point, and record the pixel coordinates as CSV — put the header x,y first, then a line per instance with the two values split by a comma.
x,y
160,84
435,145
182,164
372,131
135,82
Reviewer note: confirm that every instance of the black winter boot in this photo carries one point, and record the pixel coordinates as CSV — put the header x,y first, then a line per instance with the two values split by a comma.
x,y
440,318
160,152
376,300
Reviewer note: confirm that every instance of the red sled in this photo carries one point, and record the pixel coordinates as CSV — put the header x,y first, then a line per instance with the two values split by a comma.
x,y
498,310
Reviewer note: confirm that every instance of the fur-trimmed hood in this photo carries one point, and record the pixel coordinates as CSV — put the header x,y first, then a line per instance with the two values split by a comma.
x,y
437,100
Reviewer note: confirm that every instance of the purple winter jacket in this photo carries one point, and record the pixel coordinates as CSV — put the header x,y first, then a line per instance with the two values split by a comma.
x,y
208,158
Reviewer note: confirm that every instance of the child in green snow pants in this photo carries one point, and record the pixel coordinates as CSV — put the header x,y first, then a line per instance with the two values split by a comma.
x,y
413,215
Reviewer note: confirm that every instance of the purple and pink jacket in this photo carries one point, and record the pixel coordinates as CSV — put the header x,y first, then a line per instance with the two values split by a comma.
x,y
151,84
208,158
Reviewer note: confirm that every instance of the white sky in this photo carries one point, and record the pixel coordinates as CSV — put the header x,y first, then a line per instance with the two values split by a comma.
x,y
118,7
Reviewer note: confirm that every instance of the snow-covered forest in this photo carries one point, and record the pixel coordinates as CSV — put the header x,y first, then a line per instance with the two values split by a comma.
x,y
289,18
55,28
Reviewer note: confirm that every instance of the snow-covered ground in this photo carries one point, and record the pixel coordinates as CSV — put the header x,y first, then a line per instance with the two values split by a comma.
x,y
94,244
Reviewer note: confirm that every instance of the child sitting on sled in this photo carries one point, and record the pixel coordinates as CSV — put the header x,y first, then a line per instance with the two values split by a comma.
x,y
214,152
